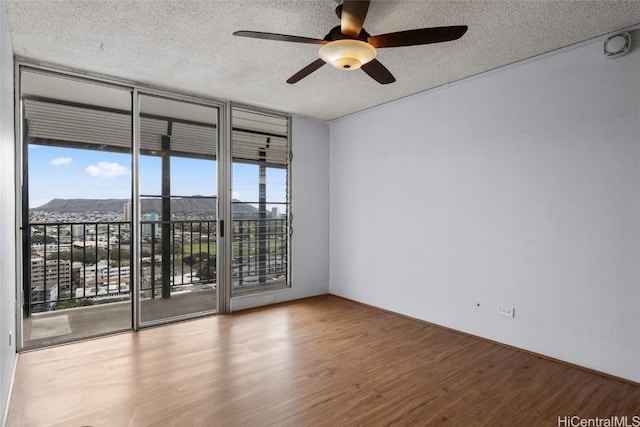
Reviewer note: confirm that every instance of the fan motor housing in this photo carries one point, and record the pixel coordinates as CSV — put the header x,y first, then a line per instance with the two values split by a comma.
x,y
336,34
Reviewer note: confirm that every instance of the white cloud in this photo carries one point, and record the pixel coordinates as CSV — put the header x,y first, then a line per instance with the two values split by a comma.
x,y
107,170
61,161
236,196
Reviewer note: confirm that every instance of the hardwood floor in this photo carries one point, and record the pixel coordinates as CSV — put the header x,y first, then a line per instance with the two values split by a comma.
x,y
318,361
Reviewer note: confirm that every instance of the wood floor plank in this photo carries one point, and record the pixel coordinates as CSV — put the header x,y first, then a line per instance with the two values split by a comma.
x,y
318,361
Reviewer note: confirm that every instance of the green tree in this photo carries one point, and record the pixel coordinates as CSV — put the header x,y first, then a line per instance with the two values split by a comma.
x,y
61,305
85,256
176,248
40,239
122,255
207,269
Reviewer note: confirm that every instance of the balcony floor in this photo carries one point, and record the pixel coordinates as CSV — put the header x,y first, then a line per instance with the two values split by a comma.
x,y
60,326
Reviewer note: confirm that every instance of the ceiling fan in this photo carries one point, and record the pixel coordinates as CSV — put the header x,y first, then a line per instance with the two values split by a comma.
x,y
349,47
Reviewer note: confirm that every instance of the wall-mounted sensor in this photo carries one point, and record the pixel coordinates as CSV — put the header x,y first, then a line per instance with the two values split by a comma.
x,y
617,45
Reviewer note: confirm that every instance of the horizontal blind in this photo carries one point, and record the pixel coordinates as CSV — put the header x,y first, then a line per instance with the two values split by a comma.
x,y
88,126
256,136
259,137
70,123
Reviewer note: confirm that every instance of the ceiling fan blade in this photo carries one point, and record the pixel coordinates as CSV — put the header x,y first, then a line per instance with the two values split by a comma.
x,y
378,72
353,14
278,37
418,37
306,71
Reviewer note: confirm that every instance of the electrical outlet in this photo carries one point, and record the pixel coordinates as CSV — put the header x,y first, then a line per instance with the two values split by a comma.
x,y
506,311
10,338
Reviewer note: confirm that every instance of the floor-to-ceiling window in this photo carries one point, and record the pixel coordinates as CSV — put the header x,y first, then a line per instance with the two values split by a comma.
x,y
178,203
125,195
260,201
76,184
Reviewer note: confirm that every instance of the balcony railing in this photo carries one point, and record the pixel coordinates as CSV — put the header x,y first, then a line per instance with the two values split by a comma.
x,y
260,248
77,263
192,252
84,263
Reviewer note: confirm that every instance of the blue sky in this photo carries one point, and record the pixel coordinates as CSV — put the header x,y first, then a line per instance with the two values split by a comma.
x,y
67,173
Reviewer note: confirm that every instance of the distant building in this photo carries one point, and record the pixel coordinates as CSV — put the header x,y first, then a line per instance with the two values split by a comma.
x,y
100,241
47,277
43,299
77,231
102,270
50,248
50,273
147,229
126,211
103,288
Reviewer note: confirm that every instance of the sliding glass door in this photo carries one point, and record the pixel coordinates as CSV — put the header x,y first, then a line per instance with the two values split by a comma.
x,y
76,183
178,208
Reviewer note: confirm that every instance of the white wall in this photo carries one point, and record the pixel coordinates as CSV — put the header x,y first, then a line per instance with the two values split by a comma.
x,y
521,188
310,208
7,215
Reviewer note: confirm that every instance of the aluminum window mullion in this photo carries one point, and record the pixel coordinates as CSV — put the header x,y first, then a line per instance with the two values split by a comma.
x,y
224,244
263,253
135,239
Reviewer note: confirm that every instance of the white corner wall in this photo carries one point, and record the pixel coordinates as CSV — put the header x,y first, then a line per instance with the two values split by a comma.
x,y
7,217
518,188
310,208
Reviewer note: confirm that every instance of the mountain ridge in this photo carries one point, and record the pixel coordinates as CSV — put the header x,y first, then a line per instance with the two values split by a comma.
x,y
192,205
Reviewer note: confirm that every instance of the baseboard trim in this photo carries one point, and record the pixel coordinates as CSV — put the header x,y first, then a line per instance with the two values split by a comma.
x,y
5,412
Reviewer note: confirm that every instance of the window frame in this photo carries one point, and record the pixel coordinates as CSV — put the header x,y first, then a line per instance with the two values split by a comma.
x,y
225,161
257,289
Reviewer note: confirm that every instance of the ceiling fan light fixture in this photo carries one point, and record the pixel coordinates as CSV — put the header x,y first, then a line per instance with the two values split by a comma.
x,y
347,54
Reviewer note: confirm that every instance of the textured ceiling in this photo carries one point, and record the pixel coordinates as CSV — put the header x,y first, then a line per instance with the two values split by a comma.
x,y
189,46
